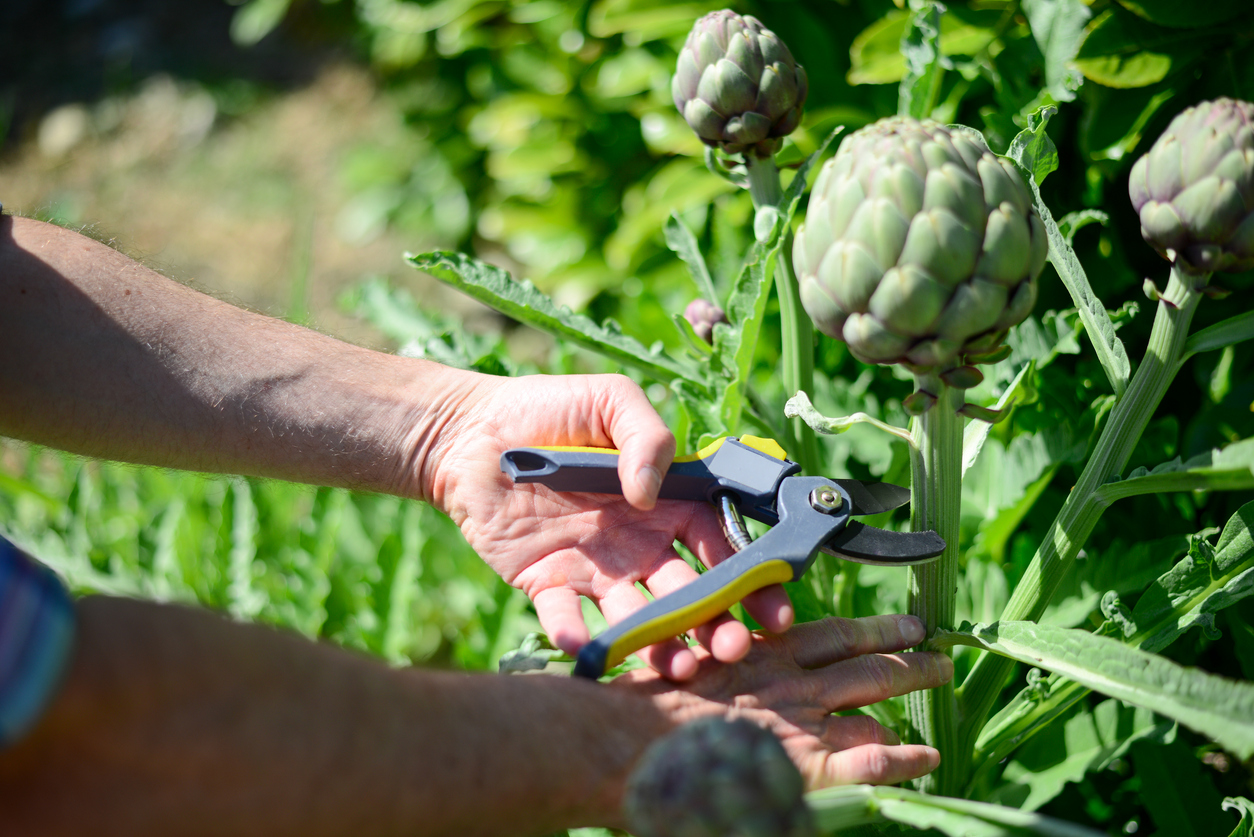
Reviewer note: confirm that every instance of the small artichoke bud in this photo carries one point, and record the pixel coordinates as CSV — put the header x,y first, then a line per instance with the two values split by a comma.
x,y
920,246
1194,189
702,315
717,778
737,84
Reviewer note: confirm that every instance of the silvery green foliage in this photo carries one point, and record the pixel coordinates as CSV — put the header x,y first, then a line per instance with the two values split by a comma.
x,y
920,246
1194,190
717,778
737,84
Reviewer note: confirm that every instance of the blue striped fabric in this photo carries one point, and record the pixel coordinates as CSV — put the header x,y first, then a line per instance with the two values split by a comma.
x,y
36,637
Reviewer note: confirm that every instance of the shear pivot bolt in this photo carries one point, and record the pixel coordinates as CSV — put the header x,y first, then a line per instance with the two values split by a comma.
x,y
826,499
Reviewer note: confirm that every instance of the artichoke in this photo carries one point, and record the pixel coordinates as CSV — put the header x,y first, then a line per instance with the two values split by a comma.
x,y
737,84
703,315
1194,190
920,246
717,778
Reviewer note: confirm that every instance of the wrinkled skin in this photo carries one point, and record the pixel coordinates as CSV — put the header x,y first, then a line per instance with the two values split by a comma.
x,y
558,546
792,682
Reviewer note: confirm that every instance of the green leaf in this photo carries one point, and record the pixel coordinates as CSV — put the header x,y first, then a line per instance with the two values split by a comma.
x,y
847,806
976,432
1230,469
1093,314
1091,741
1229,332
522,301
875,54
1182,801
535,653
1214,706
1122,50
684,244
925,67
1201,584
1032,148
1058,27
259,18
799,406
1245,808
1073,222
1186,15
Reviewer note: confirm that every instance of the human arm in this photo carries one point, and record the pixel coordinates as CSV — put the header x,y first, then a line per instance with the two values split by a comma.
x,y
173,720
103,357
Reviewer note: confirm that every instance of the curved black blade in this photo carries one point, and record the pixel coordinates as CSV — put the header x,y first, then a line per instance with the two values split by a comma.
x,y
875,497
868,545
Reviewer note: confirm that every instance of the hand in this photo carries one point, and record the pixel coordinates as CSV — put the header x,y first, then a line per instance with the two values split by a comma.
x,y
558,546
792,682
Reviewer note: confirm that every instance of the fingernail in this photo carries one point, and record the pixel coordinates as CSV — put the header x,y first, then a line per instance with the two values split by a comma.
x,y
650,480
911,628
933,758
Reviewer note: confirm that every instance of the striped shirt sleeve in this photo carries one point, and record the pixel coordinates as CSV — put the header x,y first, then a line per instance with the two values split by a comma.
x,y
36,637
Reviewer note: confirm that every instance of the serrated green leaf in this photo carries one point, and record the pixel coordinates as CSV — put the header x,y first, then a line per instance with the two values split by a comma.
x,y
1058,28
1245,808
684,244
875,54
1230,469
1032,148
925,67
1101,331
1073,222
1215,706
522,301
847,806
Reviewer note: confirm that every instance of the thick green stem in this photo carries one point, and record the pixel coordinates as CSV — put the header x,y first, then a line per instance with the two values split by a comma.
x,y
798,331
935,503
1083,507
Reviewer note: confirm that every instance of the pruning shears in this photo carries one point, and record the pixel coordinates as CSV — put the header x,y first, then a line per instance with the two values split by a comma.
x,y
742,477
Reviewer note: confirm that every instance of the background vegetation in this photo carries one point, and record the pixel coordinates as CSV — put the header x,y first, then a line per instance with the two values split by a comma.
x,y
541,137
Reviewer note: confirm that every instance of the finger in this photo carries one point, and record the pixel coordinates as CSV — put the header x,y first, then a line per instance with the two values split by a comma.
x,y
827,641
725,637
845,732
671,659
871,678
561,616
879,764
771,607
646,446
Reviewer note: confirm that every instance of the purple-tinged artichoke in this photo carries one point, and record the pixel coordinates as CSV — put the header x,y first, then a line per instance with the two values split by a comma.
x,y
737,84
920,246
703,315
1194,189
717,778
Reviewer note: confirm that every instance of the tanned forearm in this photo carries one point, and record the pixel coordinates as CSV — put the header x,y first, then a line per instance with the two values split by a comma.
x,y
143,369
175,721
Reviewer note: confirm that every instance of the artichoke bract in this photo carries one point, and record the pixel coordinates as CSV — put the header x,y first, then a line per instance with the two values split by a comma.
x,y
737,85
920,246
1194,189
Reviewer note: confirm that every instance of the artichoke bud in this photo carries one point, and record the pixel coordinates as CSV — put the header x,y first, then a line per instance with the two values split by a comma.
x,y
920,247
717,778
703,315
1194,189
737,85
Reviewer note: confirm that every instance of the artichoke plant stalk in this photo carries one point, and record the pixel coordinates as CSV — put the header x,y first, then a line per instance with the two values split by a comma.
x,y
935,503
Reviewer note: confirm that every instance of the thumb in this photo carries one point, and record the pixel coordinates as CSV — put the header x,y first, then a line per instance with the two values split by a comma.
x,y
645,445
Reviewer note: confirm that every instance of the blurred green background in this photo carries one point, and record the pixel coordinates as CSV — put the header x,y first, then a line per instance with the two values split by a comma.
x,y
283,154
